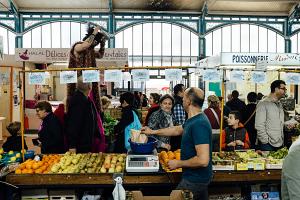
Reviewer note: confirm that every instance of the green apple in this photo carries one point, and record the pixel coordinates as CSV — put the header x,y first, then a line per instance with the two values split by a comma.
x,y
13,159
18,155
1,151
10,152
0,156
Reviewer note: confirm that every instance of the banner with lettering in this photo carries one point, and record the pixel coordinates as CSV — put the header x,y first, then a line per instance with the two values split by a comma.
x,y
173,74
112,76
68,77
237,76
212,75
140,75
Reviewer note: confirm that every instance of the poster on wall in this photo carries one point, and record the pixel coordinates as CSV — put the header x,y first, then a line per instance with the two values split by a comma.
x,y
212,75
173,74
1,48
258,77
237,76
292,78
68,77
4,78
140,75
90,76
37,78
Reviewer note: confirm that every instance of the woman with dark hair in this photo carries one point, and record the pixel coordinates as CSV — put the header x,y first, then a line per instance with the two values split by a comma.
x,y
163,118
129,120
51,136
154,106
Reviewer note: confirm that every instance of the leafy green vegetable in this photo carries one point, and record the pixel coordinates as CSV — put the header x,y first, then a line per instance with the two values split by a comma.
x,y
279,154
109,124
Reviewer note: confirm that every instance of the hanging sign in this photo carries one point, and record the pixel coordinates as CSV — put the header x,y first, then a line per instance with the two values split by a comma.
x,y
89,76
37,78
237,76
198,72
112,76
292,78
126,76
261,65
258,77
173,74
68,77
140,75
212,75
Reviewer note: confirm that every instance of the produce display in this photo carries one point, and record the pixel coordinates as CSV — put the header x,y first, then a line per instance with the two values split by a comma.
x,y
280,154
164,158
9,157
38,167
113,163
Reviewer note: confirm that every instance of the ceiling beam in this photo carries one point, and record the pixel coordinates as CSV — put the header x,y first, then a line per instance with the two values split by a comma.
x,y
110,5
13,8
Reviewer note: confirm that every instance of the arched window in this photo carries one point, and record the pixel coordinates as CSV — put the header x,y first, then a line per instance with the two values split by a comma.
x,y
243,38
54,35
295,39
8,41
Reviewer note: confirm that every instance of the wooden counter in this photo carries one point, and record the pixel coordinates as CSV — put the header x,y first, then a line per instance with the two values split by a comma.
x,y
220,177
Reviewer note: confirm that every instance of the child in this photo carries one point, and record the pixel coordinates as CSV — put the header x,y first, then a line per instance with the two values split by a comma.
x,y
14,142
235,137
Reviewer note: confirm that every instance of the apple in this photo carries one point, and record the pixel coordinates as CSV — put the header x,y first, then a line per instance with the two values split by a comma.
x,y
13,159
106,165
18,155
112,165
111,170
119,169
10,152
1,151
103,170
121,159
0,156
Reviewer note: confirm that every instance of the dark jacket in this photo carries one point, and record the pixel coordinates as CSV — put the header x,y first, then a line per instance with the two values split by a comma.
x,y
13,143
250,126
229,135
211,117
236,104
126,119
51,135
81,123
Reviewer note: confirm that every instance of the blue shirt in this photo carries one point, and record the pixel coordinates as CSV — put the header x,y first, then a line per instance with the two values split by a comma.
x,y
196,130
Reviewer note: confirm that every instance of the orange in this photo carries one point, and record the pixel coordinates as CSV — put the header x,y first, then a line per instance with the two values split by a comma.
x,y
177,156
171,155
24,171
22,166
38,171
43,168
30,171
18,171
28,165
35,165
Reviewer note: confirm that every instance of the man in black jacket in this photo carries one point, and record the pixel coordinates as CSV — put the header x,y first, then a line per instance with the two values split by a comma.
x,y
81,122
235,103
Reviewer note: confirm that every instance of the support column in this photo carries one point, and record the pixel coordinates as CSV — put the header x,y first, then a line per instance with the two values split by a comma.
x,y
19,27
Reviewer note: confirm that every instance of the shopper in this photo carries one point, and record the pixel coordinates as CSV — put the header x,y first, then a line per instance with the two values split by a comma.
x,y
249,118
81,120
213,113
14,141
154,106
235,103
290,180
195,146
269,118
178,112
129,120
163,118
50,135
235,137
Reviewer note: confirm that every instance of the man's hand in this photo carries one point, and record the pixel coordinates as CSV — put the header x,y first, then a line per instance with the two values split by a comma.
x,y
239,142
231,144
146,130
97,28
174,164
166,146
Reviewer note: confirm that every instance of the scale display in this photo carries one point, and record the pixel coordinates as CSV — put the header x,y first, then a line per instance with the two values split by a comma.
x,y
142,163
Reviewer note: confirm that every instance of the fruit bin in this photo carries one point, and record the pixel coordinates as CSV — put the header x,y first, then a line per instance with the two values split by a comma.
x,y
223,165
164,157
112,163
274,163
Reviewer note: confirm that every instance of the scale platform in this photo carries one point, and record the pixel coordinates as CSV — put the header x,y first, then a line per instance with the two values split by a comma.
x,y
142,163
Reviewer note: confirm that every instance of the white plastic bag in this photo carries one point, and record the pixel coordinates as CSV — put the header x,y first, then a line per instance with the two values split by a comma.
x,y
119,192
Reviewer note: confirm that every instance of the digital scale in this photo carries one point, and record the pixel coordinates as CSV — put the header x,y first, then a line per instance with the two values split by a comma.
x,y
142,163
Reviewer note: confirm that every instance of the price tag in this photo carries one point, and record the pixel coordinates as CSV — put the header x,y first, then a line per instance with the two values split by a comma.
x,y
212,75
140,75
89,76
173,74
258,77
37,78
112,76
68,77
237,76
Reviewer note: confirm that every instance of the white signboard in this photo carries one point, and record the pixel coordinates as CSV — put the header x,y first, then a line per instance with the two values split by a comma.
x,y
251,58
62,55
140,75
212,75
68,77
258,77
237,76
112,76
37,78
126,76
261,65
1,48
89,76
173,74
292,78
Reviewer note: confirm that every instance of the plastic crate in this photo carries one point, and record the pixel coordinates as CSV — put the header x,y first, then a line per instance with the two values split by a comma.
x,y
62,195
